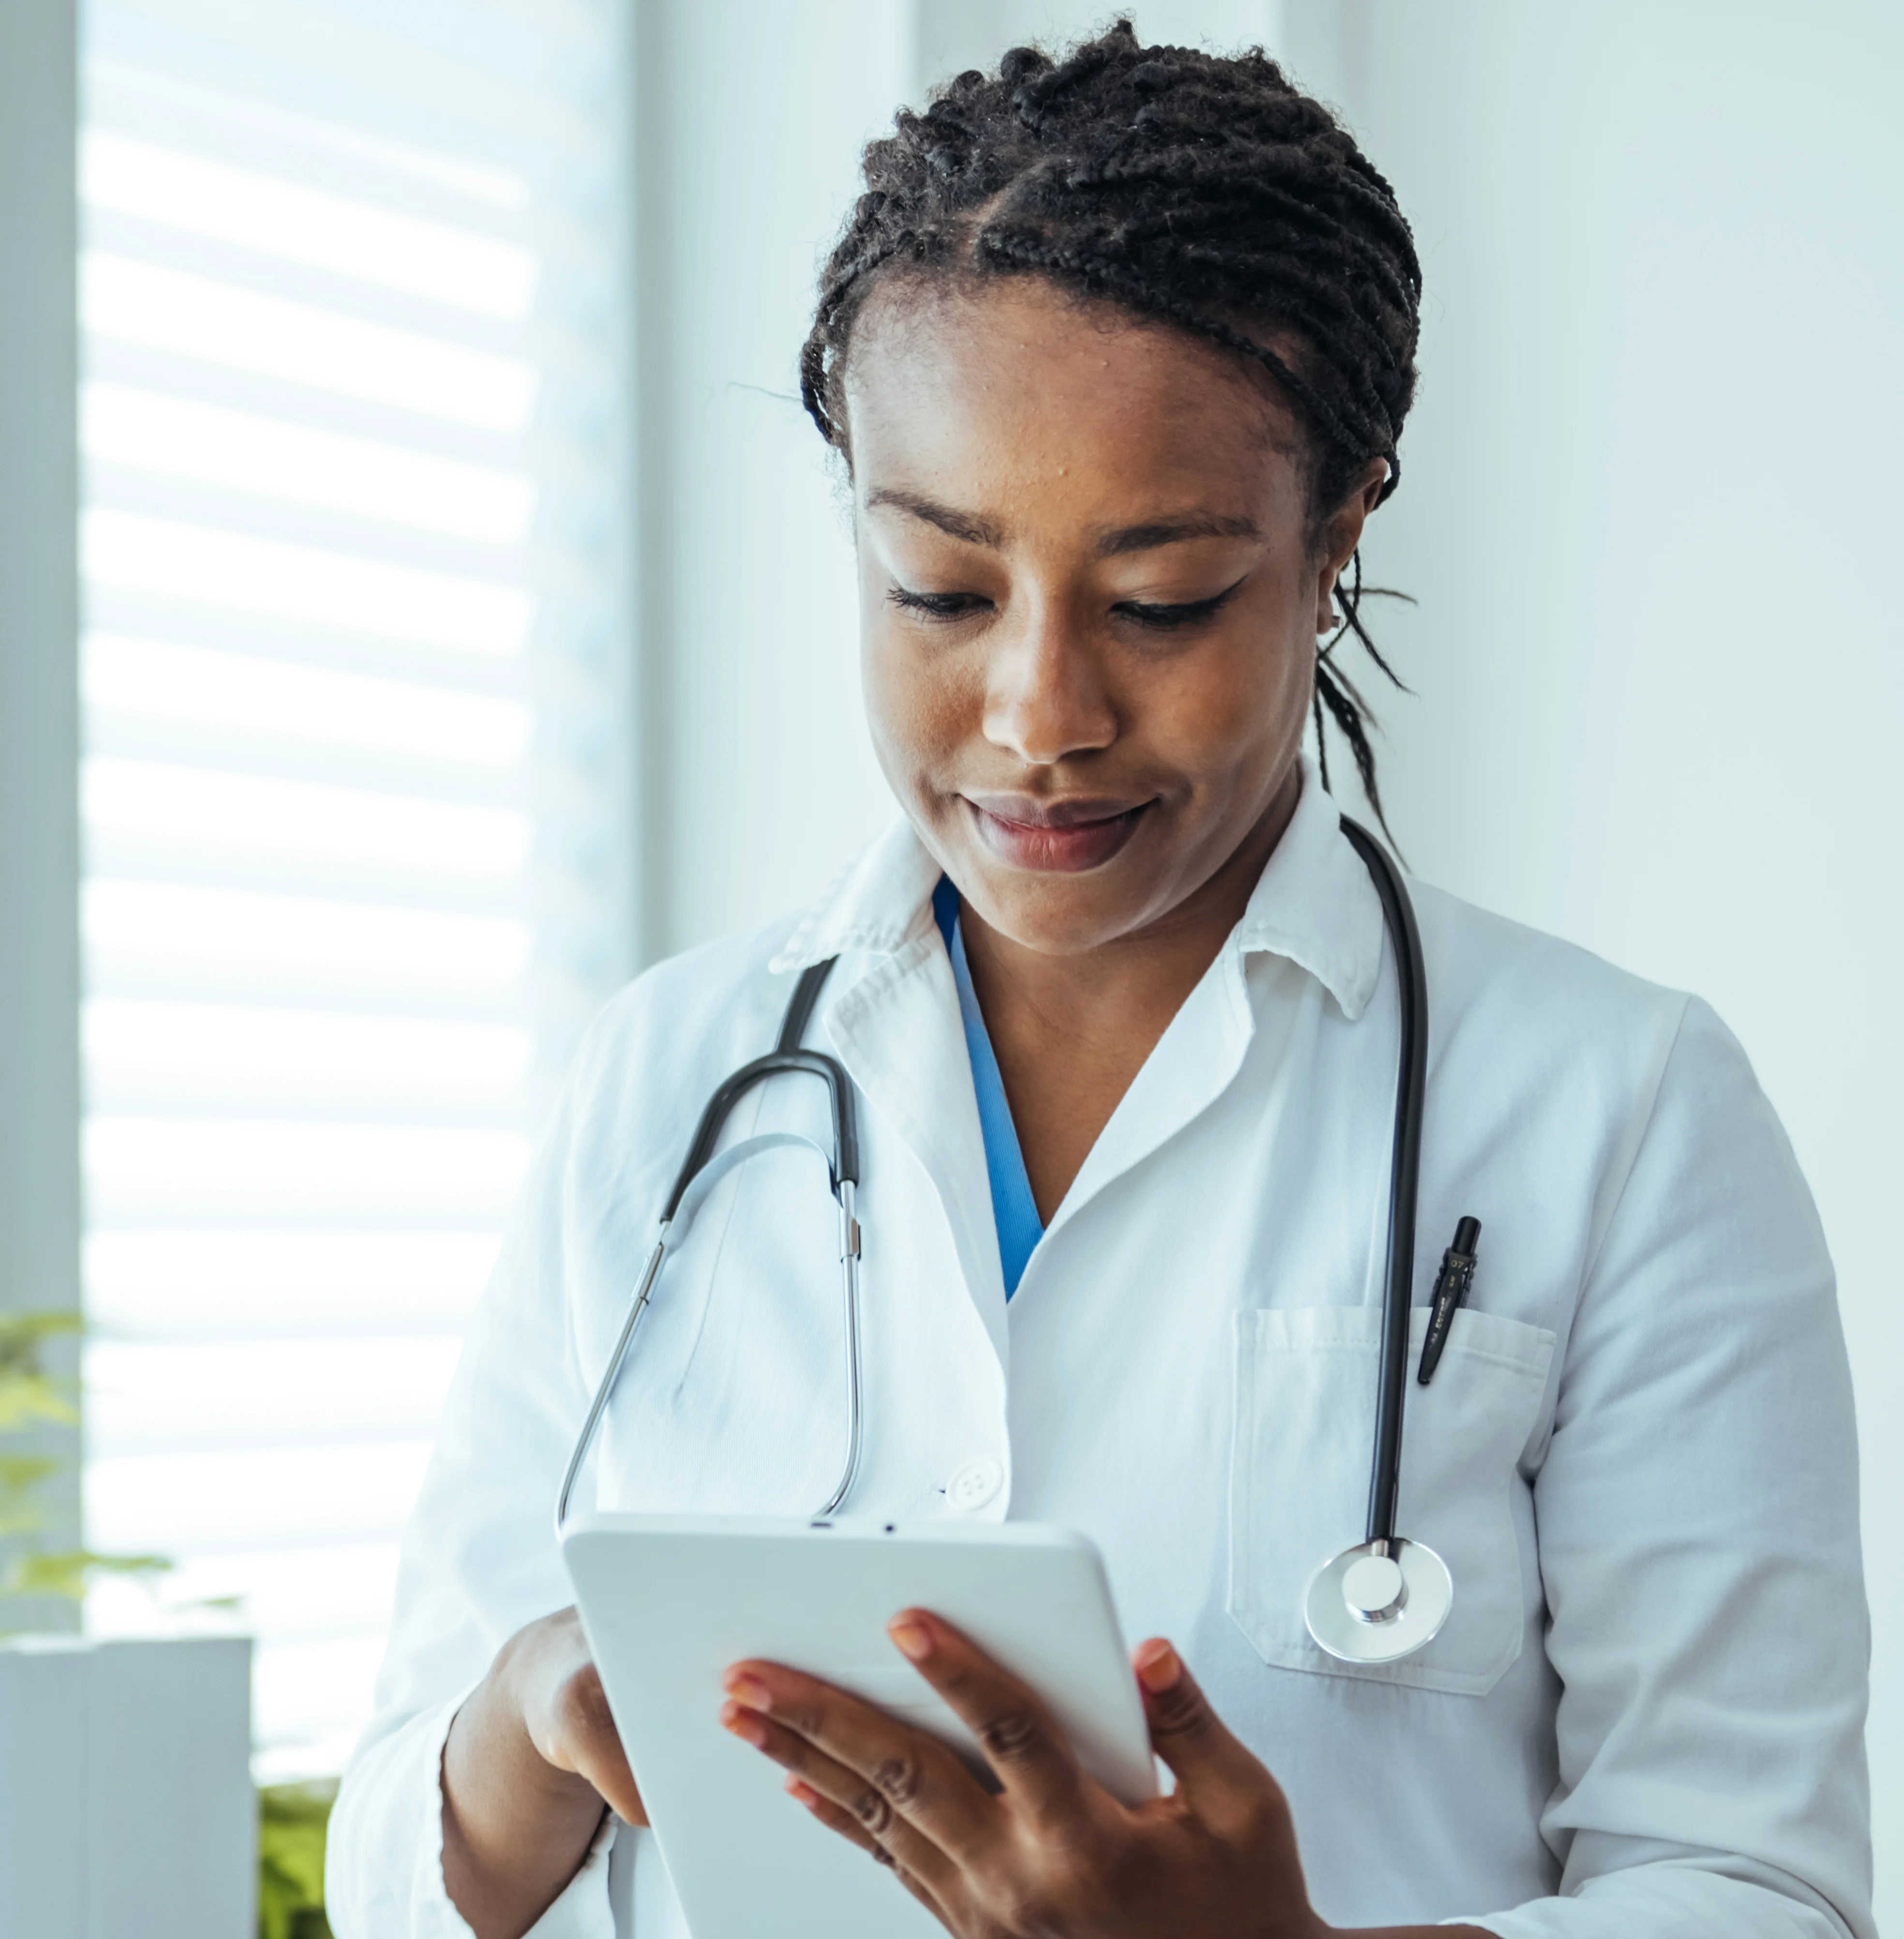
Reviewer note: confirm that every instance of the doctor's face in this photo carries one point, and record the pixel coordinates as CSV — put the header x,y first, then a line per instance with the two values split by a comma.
x,y
1089,589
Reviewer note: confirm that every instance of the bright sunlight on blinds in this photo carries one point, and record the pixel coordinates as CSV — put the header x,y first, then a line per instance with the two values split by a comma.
x,y
354,789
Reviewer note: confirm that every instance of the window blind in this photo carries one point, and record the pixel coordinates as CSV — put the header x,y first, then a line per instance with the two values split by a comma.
x,y
354,783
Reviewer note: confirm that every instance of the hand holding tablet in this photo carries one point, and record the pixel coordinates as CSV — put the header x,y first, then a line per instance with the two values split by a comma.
x,y
1041,1847
990,1746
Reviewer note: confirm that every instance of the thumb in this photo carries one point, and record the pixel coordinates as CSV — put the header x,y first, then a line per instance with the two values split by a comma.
x,y
1211,1767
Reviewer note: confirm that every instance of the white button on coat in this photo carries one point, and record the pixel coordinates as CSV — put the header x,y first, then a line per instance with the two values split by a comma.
x,y
976,1486
1642,1715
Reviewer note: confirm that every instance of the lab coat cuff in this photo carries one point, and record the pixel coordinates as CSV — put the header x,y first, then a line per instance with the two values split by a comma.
x,y
1694,1901
582,1909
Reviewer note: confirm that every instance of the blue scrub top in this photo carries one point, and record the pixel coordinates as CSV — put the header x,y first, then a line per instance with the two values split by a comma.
x,y
1014,1212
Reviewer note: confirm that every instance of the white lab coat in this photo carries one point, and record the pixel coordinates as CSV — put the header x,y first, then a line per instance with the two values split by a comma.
x,y
1643,1716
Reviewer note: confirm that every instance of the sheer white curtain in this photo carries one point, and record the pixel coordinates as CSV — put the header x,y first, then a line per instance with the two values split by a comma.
x,y
356,719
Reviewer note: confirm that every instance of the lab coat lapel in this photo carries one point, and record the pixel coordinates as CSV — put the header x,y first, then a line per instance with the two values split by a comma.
x,y
1195,1061
897,1031
1314,905
895,1027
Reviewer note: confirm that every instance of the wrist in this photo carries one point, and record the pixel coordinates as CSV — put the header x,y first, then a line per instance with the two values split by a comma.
x,y
515,1826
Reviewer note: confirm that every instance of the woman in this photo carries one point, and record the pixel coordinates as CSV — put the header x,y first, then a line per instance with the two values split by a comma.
x,y
1117,354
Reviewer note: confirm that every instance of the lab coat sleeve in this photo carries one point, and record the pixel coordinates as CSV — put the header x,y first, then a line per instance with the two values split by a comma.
x,y
479,1560
1697,1508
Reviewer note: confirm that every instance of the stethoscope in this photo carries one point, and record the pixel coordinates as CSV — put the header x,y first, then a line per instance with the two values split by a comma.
x,y
1383,1598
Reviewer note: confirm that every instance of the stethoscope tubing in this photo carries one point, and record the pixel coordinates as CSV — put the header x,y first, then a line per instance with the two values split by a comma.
x,y
843,1166
1404,1179
786,1059
599,1405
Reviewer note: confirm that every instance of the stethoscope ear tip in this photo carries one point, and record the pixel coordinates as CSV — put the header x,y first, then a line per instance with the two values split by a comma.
x,y
1378,1602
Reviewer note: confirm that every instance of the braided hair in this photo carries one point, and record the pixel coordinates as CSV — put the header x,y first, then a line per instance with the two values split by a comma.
x,y
1204,191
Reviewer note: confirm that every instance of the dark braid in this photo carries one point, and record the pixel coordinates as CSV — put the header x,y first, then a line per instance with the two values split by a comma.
x,y
1202,190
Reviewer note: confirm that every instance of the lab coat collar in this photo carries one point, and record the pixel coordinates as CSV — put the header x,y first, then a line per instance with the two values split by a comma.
x,y
1313,904
878,902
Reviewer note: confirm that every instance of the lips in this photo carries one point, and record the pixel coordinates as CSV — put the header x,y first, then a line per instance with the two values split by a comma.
x,y
1064,836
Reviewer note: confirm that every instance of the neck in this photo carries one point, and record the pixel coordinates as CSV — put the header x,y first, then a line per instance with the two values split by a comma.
x,y
1072,1032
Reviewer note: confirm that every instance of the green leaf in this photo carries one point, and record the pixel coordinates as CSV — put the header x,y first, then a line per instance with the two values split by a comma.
x,y
20,1472
27,1392
19,1476
27,1395
292,1822
66,1572
22,1334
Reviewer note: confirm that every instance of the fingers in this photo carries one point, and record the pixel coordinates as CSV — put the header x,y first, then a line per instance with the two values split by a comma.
x,y
1029,1755
1210,1765
586,1742
900,1783
864,1803
598,1756
837,1818
564,1711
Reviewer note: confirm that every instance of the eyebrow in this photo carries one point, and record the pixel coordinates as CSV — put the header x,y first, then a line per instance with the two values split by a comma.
x,y
1114,544
958,525
1175,531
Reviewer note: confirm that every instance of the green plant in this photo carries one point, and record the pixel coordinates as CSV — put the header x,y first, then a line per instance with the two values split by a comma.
x,y
292,1819
31,1397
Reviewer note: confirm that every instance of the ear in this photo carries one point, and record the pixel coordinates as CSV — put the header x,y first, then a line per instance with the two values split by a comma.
x,y
1342,533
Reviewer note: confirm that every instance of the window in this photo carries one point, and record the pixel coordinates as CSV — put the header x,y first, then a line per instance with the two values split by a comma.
x,y
353,787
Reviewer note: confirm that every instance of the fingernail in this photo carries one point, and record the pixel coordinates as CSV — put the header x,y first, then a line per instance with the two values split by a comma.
x,y
1159,1667
746,1723
914,1640
747,1690
801,1793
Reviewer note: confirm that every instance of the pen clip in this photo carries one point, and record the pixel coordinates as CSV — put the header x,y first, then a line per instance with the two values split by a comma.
x,y
1451,1289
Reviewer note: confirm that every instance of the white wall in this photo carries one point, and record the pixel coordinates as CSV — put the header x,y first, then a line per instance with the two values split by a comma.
x,y
758,778
1650,508
950,36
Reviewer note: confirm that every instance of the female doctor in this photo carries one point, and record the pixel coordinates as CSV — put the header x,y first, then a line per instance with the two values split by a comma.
x,y
1116,353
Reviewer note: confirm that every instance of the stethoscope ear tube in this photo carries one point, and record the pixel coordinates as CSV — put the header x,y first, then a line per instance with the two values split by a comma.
x,y
730,1158
701,1165
845,1164
585,1439
1404,1179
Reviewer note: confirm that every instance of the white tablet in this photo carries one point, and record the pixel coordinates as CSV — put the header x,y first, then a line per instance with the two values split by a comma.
x,y
669,1602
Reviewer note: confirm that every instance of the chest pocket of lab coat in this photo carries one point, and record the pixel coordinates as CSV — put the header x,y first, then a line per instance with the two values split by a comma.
x,y
1305,1431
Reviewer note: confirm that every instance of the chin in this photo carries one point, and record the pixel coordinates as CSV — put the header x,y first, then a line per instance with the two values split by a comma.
x,y
1057,914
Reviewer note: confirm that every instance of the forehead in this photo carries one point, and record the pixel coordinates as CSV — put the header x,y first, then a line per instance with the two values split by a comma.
x,y
991,388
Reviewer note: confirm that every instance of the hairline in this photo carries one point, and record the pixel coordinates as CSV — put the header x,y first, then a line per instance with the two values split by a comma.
x,y
895,284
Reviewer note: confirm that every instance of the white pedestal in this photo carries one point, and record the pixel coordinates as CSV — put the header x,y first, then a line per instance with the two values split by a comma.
x,y
125,1801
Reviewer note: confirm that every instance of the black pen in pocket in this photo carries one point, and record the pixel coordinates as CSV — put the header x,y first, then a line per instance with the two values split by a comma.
x,y
1451,1287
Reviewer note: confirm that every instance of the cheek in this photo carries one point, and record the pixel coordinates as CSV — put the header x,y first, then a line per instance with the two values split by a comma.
x,y
1230,711
920,706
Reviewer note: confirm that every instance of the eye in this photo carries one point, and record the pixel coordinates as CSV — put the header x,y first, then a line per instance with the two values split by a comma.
x,y
937,605
1164,619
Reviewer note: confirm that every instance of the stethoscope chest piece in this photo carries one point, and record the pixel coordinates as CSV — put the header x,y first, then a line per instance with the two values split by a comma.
x,y
1379,1601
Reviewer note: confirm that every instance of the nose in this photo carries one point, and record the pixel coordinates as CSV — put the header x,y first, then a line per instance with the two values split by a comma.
x,y
1046,697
